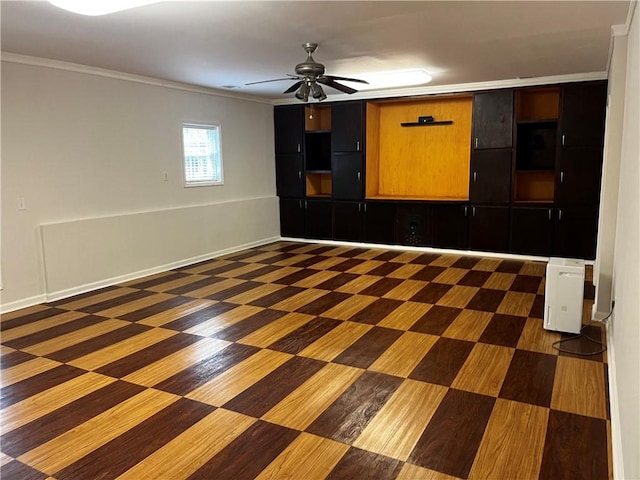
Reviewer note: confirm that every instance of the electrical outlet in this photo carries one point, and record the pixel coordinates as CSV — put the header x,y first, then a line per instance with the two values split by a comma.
x,y
22,205
165,176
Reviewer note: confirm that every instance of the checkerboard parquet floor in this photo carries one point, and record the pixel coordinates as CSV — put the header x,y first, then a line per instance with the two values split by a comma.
x,y
304,361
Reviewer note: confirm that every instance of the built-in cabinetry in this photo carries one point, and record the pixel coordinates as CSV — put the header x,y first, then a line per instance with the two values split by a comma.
x,y
530,182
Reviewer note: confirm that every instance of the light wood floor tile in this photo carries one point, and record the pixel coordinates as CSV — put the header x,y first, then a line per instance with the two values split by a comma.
x,y
214,288
469,325
336,341
403,317
27,369
22,312
293,260
236,272
178,282
536,339
224,320
74,338
119,350
458,297
487,264
535,269
4,350
406,271
513,442
414,472
406,257
277,329
128,307
98,298
402,357
579,387
40,325
4,459
369,254
176,362
299,300
484,370
451,276
87,437
255,293
187,452
301,407
516,303
316,279
155,276
500,281
358,284
300,459
396,428
239,377
365,267
174,313
337,251
445,260
405,290
352,305
277,274
42,403
208,266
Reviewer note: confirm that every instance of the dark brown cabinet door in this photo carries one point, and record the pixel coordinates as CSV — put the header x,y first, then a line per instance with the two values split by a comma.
x,y
288,121
532,231
582,114
348,176
413,224
575,233
318,219
291,217
347,126
449,226
380,219
490,180
493,119
489,229
578,176
348,221
289,175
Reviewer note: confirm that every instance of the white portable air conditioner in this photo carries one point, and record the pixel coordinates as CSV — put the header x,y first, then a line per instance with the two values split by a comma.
x,y
563,295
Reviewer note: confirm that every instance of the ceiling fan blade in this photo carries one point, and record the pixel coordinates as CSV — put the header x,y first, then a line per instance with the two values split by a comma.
x,y
329,82
293,87
273,80
346,79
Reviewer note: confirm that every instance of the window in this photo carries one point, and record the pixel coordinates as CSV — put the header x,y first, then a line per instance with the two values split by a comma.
x,y
202,155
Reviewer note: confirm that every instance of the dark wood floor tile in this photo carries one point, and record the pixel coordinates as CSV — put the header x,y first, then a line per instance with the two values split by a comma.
x,y
526,284
82,296
385,269
348,416
376,312
503,330
202,315
43,429
575,447
474,278
443,361
276,297
143,284
190,287
387,256
436,320
466,262
191,378
12,359
369,347
486,300
346,265
258,272
235,290
268,392
425,258
30,318
49,333
15,470
304,336
585,344
530,378
537,309
295,276
320,250
381,287
353,252
278,257
224,268
431,293
114,302
337,281
452,437
249,325
324,303
91,345
361,464
145,312
246,456
308,262
243,255
38,383
428,273
120,454
510,266
129,364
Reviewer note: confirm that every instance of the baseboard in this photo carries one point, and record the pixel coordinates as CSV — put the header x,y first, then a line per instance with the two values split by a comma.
x,y
59,295
616,440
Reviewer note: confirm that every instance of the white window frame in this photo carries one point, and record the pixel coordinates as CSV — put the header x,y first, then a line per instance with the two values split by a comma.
x,y
204,182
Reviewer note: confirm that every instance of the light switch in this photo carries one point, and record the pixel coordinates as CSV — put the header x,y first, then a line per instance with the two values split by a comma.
x,y
22,205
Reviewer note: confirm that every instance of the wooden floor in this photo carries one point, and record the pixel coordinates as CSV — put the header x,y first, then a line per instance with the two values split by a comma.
x,y
307,362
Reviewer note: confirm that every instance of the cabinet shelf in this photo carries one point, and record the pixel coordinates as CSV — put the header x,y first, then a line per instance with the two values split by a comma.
x,y
534,121
318,171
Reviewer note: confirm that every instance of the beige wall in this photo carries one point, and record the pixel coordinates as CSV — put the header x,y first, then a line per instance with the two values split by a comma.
x,y
79,148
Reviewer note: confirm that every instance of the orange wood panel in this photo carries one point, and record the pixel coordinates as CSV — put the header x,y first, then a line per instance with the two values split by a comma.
x,y
534,186
318,184
538,104
317,118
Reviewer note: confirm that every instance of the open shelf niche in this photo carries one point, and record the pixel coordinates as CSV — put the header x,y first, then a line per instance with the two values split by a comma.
x,y
317,158
536,144
419,163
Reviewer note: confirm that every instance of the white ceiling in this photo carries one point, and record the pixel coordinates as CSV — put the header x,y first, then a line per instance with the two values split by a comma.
x,y
221,43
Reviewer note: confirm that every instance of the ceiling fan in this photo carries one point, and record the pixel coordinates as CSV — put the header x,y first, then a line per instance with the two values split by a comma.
x,y
310,78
